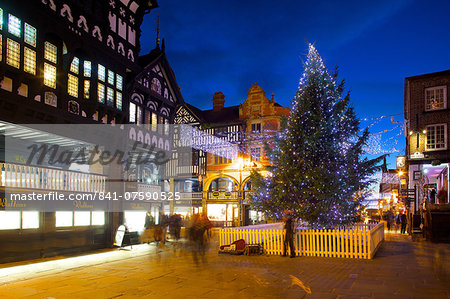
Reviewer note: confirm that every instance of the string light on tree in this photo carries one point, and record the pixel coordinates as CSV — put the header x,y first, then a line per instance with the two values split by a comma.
x,y
318,169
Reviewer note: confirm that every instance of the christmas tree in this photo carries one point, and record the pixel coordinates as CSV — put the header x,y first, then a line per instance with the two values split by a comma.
x,y
318,170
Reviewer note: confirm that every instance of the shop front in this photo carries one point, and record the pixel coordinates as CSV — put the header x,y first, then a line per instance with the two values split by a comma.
x,y
223,214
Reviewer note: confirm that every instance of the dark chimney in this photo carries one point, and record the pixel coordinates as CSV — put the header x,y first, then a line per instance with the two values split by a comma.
x,y
218,101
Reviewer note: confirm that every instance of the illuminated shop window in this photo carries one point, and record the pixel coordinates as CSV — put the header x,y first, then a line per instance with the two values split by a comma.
x,y
29,61
110,77
63,218
119,100
86,89
101,72
14,25
75,65
98,218
18,219
134,220
82,218
49,75
50,52
154,121
110,96
30,219
101,93
13,53
30,35
9,220
132,115
87,68
72,86
119,82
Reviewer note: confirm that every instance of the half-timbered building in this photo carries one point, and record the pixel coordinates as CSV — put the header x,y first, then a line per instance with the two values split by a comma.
x,y
64,62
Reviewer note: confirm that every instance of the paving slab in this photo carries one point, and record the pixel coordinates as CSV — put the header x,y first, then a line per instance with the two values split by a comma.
x,y
401,269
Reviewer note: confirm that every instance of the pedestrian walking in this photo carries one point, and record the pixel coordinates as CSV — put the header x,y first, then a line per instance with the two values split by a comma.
x,y
403,223
289,235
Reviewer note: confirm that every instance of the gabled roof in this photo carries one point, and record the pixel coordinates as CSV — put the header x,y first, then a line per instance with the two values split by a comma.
x,y
148,61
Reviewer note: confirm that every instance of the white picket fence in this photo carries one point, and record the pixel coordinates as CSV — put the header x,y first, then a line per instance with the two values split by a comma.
x,y
356,241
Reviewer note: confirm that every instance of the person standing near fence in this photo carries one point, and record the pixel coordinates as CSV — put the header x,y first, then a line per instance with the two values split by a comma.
x,y
289,236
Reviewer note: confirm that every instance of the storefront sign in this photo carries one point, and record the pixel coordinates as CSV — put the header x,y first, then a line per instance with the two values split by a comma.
x,y
401,162
417,155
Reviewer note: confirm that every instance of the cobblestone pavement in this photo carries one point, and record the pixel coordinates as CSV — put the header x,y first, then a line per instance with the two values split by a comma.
x,y
401,269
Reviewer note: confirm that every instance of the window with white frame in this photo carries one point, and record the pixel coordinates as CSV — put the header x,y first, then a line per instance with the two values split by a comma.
x,y
436,98
436,137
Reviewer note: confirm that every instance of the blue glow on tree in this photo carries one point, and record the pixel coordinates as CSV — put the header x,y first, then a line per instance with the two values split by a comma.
x,y
318,169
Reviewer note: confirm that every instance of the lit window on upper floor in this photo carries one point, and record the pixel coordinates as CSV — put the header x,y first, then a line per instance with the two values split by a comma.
x,y
30,35
132,113
119,100
87,68
50,52
1,19
86,89
75,65
101,93
110,77
13,53
436,98
72,85
49,75
29,61
119,82
154,121
110,96
101,73
256,128
14,25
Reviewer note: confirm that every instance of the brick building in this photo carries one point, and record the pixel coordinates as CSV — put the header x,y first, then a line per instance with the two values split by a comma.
x,y
427,115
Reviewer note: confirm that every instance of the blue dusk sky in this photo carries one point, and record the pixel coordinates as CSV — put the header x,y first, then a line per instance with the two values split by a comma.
x,y
227,45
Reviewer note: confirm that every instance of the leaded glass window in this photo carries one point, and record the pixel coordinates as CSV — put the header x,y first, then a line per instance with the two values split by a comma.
x,y
14,25
101,93
29,61
72,86
87,68
49,75
101,72
30,35
50,52
75,65
13,53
